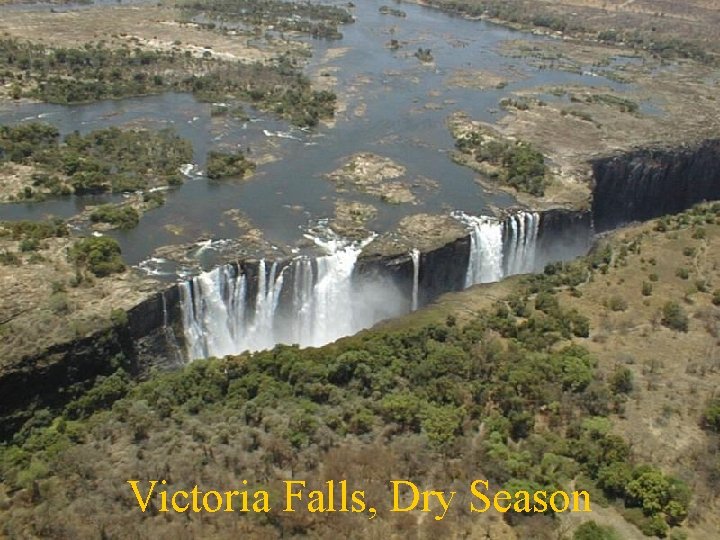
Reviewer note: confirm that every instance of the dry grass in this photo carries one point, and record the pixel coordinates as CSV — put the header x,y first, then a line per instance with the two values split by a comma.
x,y
32,317
675,373
150,27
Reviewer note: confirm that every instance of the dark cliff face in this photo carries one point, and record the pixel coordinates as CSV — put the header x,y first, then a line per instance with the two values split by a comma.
x,y
54,377
441,270
633,187
650,183
563,235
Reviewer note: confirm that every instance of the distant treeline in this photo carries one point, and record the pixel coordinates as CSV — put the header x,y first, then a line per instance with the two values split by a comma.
x,y
318,20
95,72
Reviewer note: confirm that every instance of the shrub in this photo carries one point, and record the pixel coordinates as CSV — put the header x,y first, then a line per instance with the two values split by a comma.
x,y
118,317
8,258
29,244
682,273
647,288
674,317
123,217
59,303
223,164
701,285
654,277
592,531
711,415
617,303
100,255
154,198
716,298
621,381
546,302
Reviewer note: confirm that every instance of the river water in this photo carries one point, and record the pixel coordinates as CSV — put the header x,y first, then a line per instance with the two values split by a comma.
x,y
396,107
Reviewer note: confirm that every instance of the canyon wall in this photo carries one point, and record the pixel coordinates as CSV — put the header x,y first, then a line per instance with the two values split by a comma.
x,y
316,299
649,183
53,377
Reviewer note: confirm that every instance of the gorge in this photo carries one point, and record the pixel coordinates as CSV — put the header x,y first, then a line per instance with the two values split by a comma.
x,y
255,305
340,286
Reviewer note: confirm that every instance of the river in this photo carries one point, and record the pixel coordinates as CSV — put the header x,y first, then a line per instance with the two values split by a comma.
x,y
396,107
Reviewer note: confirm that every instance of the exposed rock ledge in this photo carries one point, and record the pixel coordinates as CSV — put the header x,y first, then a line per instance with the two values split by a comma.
x,y
374,175
425,232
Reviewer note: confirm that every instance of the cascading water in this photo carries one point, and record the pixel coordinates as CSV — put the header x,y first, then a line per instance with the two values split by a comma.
x,y
328,311
322,302
485,264
500,248
521,232
415,256
219,319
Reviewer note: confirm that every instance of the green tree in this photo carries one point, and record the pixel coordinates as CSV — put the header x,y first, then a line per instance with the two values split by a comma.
x,y
592,531
100,255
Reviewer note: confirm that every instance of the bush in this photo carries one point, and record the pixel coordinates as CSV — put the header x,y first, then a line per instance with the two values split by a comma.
x,y
592,531
123,217
154,198
674,317
546,302
682,273
59,303
647,288
716,298
119,317
223,164
701,285
29,244
8,258
711,416
621,381
100,255
617,303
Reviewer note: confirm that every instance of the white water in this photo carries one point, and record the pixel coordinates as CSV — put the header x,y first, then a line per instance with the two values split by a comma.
x,y
500,248
328,310
522,230
322,302
323,306
415,256
485,264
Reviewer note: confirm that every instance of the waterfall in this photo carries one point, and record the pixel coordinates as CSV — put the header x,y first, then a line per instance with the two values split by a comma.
x,y
329,309
214,308
500,248
485,263
261,333
194,339
219,319
521,230
304,279
415,256
311,301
